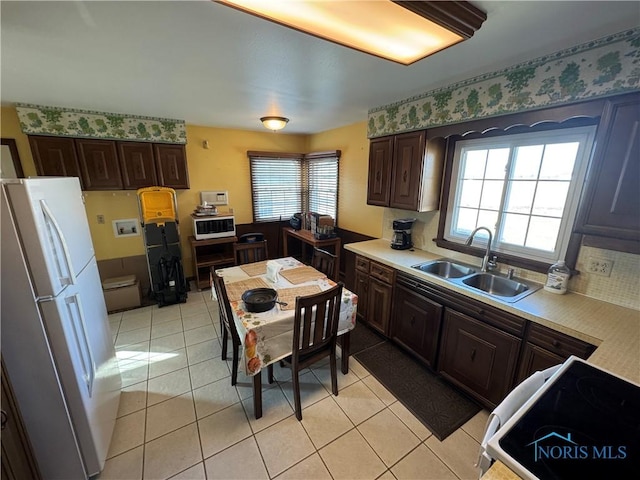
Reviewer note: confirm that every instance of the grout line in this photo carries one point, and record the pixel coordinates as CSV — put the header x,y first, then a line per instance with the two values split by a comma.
x,y
280,385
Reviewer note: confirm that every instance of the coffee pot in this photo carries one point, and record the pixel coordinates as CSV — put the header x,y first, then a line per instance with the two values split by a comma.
x,y
401,239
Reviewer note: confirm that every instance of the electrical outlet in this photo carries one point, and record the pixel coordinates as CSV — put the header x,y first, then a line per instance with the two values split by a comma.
x,y
600,266
100,218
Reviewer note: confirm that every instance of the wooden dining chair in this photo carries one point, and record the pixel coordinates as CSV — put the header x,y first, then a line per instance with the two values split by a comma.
x,y
251,237
250,252
315,331
227,325
324,262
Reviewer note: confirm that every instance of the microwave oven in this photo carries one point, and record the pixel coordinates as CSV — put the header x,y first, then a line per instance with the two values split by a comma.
x,y
206,227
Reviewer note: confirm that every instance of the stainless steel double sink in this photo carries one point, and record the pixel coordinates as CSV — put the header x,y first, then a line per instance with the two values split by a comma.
x,y
492,284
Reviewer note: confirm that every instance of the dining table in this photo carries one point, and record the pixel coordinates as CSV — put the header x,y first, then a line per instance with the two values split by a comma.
x,y
267,337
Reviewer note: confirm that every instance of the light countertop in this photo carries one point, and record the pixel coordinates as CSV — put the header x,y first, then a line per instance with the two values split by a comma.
x,y
613,329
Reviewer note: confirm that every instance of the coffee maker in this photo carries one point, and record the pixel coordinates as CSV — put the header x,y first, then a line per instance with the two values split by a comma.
x,y
401,239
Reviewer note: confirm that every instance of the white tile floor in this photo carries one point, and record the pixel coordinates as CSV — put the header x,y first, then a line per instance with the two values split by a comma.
x,y
180,417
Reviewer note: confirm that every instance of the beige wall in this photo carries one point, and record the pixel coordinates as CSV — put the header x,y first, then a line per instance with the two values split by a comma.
x,y
353,212
223,166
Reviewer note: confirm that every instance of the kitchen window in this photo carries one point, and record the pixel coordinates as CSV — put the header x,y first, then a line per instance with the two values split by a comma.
x,y
286,183
525,188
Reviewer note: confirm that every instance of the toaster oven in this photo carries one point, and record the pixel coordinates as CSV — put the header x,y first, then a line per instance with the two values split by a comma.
x,y
206,227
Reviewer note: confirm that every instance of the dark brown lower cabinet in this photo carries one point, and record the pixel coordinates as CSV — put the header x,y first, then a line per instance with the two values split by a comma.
x,y
545,348
374,288
416,323
477,357
379,305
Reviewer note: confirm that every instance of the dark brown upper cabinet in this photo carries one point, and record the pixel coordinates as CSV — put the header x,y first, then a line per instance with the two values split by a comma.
x,y
610,206
99,164
171,165
405,171
55,156
109,164
137,165
379,186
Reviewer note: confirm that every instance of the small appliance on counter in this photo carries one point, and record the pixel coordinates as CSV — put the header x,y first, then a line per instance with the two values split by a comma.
x,y
211,222
401,239
205,210
296,221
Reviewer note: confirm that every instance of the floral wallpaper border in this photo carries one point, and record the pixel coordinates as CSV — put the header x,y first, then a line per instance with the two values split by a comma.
x,y
66,122
608,66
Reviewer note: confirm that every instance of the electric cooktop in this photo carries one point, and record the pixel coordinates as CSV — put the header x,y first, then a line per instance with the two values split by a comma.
x,y
583,423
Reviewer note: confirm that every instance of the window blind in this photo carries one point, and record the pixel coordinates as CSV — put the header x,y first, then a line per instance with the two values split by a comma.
x,y
276,185
323,186
285,183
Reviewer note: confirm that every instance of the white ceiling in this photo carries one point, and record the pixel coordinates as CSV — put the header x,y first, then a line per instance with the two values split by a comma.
x,y
211,65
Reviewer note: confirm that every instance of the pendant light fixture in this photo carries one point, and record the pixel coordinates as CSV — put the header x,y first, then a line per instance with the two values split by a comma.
x,y
274,123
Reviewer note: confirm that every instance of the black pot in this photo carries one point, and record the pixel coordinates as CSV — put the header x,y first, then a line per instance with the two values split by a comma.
x,y
260,299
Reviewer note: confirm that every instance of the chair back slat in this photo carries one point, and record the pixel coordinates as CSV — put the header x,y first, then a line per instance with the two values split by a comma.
x,y
315,329
324,262
224,307
250,252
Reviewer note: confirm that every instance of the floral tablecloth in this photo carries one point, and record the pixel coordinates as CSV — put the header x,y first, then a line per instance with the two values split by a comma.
x,y
267,336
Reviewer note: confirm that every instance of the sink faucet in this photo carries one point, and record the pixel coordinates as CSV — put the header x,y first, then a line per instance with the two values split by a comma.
x,y
488,263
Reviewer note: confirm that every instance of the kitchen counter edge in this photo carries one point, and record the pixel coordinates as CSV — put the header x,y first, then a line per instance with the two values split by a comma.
x,y
615,330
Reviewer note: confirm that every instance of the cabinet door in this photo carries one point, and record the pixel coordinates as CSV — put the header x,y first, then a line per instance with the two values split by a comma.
x,y
54,156
406,176
379,305
416,323
379,186
171,165
137,165
611,208
535,358
99,164
477,357
361,289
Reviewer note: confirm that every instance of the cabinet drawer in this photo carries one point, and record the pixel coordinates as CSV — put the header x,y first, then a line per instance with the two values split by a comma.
x,y
382,272
557,342
362,264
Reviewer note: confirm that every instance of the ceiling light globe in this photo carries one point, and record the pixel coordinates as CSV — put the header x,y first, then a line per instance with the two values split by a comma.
x,y
274,123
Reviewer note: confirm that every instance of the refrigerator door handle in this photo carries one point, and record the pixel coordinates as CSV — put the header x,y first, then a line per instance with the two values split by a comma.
x,y
80,332
51,220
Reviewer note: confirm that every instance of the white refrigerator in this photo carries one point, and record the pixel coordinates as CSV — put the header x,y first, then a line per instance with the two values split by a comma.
x,y
55,336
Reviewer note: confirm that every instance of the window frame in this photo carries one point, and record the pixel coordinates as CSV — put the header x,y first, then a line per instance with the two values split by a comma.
x,y
584,134
306,160
585,113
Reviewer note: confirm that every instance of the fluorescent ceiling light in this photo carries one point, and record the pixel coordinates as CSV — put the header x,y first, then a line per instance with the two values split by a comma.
x,y
403,32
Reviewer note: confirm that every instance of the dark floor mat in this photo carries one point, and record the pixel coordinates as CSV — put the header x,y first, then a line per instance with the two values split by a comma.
x,y
438,405
362,338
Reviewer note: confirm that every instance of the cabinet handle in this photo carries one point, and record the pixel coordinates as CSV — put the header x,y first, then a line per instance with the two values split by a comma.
x,y
413,320
556,343
473,354
404,177
4,419
378,174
